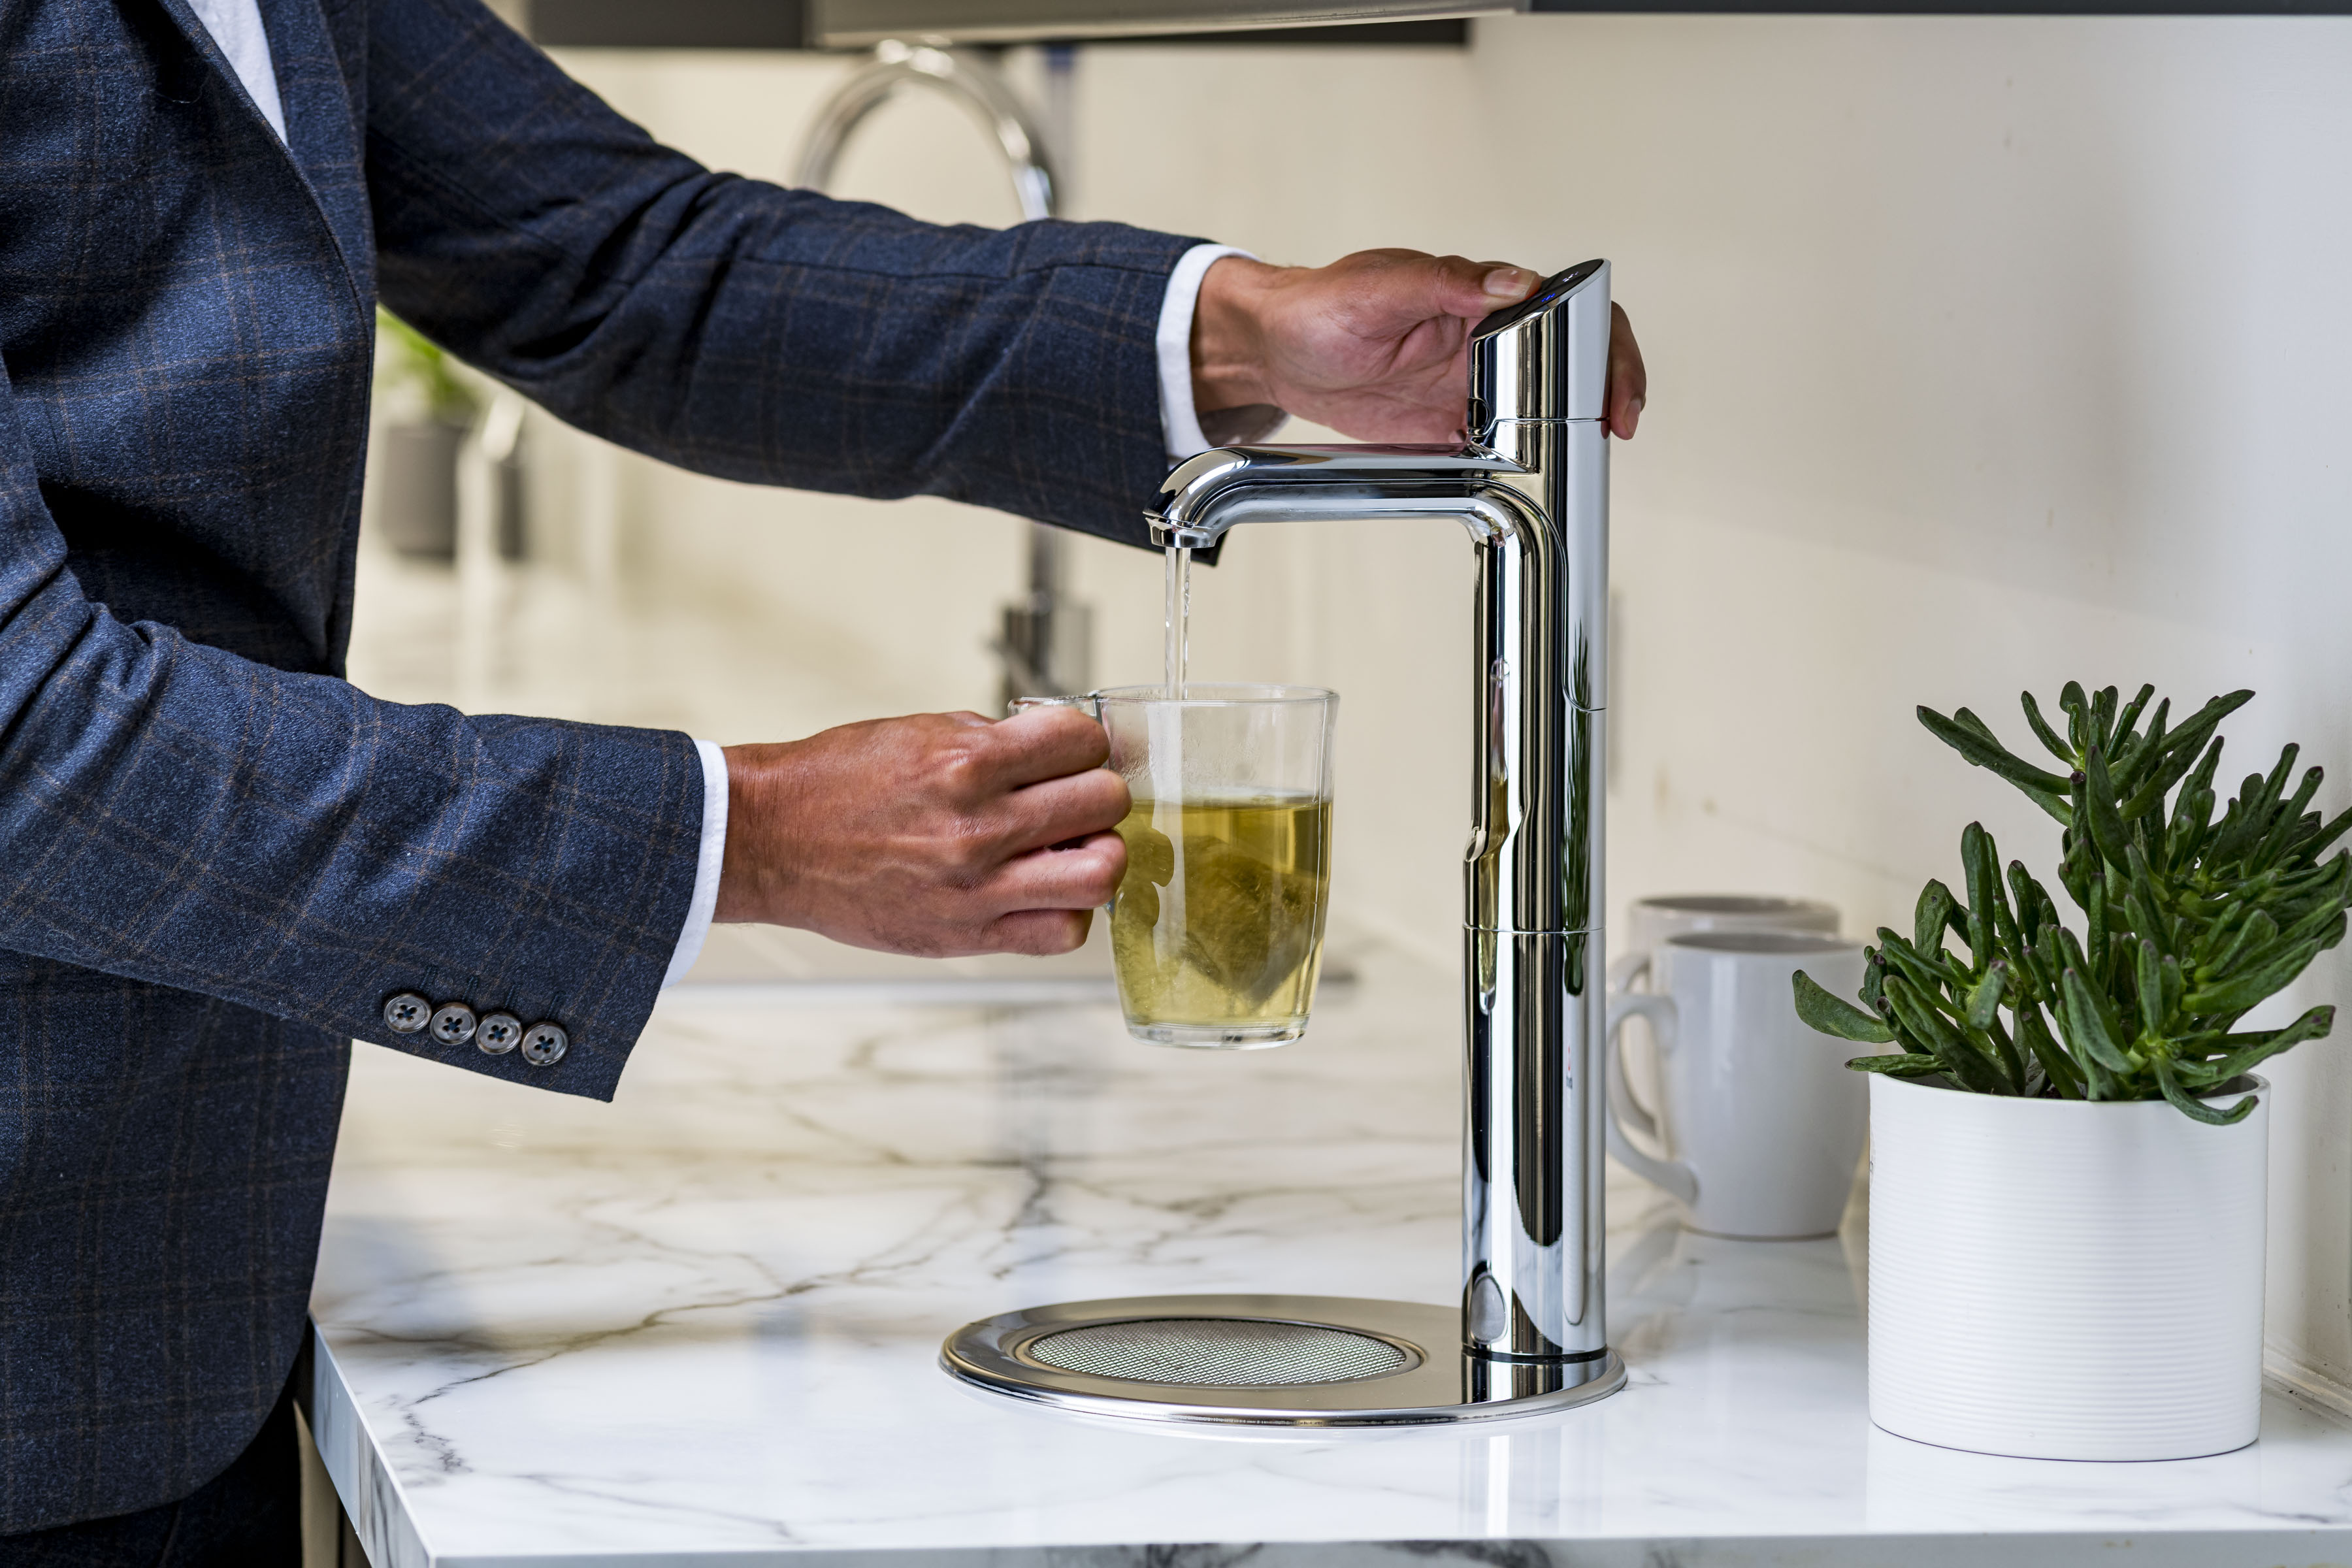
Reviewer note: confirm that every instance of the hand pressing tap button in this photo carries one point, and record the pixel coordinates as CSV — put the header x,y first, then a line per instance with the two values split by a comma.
x,y
407,1012
543,1045
498,1034
453,1023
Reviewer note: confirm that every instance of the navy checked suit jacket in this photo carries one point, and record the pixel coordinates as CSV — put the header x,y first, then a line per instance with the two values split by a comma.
x,y
216,858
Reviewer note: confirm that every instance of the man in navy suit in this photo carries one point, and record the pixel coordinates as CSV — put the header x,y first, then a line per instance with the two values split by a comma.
x,y
222,862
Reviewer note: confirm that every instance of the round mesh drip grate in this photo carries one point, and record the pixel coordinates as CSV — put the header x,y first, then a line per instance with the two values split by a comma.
x,y
1218,1353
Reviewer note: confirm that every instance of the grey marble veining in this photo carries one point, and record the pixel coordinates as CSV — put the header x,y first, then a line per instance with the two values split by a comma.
x,y
701,1324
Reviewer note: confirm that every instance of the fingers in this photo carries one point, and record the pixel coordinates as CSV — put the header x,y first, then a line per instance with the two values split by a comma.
x,y
1629,380
1039,744
892,834
1083,877
1043,902
1040,934
1061,809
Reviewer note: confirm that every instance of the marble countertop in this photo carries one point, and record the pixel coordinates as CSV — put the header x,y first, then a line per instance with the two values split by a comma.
x,y
701,1324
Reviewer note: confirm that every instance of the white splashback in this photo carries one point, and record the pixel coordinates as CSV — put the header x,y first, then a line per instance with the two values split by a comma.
x,y
1988,352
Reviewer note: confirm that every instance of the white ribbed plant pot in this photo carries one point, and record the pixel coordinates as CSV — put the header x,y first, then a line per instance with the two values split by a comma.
x,y
2062,1279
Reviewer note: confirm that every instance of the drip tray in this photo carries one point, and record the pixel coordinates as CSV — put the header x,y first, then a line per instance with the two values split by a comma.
x,y
1262,1361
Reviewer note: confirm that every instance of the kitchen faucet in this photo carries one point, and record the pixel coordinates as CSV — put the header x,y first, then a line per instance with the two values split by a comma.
x,y
1532,486
1045,645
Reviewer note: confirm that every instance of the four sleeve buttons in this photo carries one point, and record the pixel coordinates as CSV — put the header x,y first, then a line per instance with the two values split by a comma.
x,y
452,1024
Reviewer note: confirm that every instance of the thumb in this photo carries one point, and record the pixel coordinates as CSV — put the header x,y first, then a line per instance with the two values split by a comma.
x,y
1475,288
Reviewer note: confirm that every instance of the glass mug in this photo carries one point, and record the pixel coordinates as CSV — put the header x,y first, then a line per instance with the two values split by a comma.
x,y
1217,929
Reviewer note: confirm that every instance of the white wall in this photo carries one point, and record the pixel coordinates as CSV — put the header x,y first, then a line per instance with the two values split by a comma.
x,y
1986,354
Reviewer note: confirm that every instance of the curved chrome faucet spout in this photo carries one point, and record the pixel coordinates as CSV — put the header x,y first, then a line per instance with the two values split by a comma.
x,y
1533,490
964,79
1209,493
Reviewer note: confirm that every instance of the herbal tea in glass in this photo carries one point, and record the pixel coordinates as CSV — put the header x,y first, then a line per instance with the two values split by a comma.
x,y
1217,930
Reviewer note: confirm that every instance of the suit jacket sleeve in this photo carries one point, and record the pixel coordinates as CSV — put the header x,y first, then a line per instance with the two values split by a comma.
x,y
743,330
176,813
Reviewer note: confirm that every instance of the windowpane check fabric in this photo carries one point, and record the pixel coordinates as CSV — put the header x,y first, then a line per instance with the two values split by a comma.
x,y
218,860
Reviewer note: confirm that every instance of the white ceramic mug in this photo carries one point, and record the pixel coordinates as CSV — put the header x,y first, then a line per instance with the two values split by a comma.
x,y
1761,1121
1649,921
1657,919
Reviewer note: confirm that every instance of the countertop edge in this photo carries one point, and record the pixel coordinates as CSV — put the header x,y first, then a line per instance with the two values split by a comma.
x,y
2320,1548
371,1493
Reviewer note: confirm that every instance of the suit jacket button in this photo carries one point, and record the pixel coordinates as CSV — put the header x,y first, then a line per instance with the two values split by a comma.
x,y
543,1045
497,1034
453,1023
406,1012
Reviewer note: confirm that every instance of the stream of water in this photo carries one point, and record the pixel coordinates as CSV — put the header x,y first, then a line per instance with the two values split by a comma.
x,y
1179,615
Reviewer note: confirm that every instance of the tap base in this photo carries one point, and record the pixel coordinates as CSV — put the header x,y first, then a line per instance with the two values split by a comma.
x,y
1213,1360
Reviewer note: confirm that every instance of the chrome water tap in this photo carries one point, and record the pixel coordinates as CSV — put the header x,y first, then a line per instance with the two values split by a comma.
x,y
1533,489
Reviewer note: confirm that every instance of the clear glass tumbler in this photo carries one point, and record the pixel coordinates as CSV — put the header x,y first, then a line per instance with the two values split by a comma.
x,y
1217,930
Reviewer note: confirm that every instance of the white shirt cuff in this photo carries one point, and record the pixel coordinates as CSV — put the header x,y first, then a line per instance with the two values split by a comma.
x,y
1180,422
705,865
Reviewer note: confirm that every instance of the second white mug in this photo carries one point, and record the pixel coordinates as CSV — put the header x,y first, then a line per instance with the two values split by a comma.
x,y
1633,1074
1664,916
1762,1120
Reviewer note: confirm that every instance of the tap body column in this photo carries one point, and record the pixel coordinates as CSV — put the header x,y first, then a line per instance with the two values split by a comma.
x,y
1533,947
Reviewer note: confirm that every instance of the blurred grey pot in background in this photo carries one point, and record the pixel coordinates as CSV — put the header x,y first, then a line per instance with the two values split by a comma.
x,y
417,488
428,413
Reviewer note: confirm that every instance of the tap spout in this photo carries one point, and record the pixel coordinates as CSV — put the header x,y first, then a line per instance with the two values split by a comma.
x,y
1210,493
1532,488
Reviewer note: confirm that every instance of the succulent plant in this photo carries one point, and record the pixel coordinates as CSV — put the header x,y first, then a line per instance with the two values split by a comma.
x,y
2187,922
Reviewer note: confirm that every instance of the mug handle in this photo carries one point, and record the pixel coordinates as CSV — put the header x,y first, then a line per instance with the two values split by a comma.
x,y
1673,1175
1629,968
1091,701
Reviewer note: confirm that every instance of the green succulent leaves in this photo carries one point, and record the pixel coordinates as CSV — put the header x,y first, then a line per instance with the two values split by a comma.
x,y
1841,1020
2187,922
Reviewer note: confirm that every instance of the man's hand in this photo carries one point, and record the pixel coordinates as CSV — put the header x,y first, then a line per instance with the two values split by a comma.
x,y
1375,345
932,836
